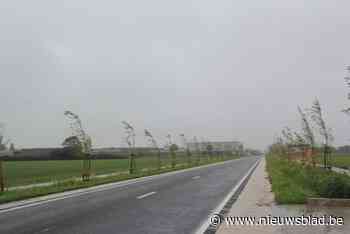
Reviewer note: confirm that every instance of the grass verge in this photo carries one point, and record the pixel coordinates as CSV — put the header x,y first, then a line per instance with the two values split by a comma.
x,y
337,160
68,185
293,183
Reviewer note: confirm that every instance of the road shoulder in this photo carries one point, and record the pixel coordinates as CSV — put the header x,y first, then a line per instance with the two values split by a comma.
x,y
257,200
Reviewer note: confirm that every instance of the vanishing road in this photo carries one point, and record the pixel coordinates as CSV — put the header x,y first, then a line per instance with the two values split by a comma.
x,y
169,203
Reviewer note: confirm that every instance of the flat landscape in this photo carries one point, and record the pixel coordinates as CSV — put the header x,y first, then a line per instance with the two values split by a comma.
x,y
30,172
18,173
337,160
168,203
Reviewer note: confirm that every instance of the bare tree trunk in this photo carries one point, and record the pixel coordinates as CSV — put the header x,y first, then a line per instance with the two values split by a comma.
x,y
303,151
86,168
313,153
326,157
198,157
188,156
173,158
159,161
2,183
131,163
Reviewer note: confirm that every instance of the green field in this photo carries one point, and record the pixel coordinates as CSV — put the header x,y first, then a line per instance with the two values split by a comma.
x,y
337,160
19,173
29,172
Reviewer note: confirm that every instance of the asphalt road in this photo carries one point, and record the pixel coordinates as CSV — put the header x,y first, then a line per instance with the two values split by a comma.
x,y
177,203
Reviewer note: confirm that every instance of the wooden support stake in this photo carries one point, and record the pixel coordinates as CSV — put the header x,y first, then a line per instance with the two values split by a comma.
x,y
2,183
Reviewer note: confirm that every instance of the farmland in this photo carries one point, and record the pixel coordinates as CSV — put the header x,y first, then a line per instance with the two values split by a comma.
x,y
337,160
29,172
18,173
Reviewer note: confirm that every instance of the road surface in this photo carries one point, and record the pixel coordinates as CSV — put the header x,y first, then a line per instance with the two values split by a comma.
x,y
177,203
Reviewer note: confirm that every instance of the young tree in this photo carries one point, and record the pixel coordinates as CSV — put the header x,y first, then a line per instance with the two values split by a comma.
x,y
281,146
130,141
154,143
347,80
188,152
204,150
2,147
299,139
3,142
278,147
307,133
209,149
78,131
293,139
172,149
84,140
290,140
288,136
198,151
324,131
306,128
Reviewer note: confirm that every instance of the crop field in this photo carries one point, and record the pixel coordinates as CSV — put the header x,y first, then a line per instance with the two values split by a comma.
x,y
30,172
337,160
18,173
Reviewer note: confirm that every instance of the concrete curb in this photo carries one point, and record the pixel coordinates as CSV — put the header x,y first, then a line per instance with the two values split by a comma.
x,y
328,202
226,204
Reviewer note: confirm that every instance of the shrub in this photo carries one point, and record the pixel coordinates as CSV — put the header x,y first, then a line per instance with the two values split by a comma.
x,y
335,186
292,183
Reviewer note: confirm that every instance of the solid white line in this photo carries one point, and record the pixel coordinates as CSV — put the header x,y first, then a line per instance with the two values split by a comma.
x,y
196,177
146,195
7,207
205,224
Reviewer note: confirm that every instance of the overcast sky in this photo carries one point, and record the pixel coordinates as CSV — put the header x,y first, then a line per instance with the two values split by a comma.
x,y
218,70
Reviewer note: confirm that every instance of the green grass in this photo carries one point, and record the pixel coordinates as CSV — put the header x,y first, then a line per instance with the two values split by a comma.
x,y
337,160
293,183
19,173
147,162
30,172
285,180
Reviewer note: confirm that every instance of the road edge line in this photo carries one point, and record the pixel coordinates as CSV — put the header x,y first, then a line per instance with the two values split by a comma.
x,y
205,226
6,207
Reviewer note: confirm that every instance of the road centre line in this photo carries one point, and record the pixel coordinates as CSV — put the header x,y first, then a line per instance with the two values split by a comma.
x,y
12,206
146,195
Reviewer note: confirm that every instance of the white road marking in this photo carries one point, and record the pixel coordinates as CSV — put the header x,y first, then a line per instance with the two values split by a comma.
x,y
206,223
146,195
44,230
196,177
12,206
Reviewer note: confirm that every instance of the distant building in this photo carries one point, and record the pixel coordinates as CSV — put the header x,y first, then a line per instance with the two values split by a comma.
x,y
220,146
6,153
